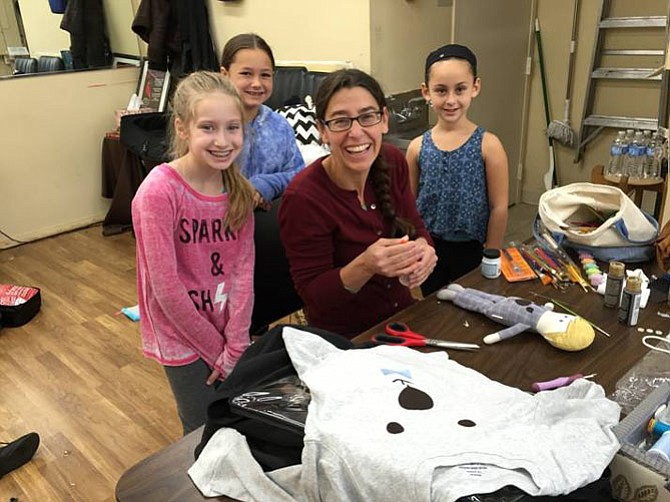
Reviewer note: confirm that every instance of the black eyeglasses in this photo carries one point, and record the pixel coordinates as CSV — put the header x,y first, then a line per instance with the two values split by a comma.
x,y
342,124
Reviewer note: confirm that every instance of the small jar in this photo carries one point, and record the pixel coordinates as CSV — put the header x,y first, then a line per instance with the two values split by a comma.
x,y
491,263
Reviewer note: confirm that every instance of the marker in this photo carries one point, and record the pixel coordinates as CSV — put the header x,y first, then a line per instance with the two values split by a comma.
x,y
558,382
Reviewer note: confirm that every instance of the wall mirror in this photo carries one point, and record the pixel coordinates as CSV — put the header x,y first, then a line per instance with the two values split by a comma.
x,y
30,29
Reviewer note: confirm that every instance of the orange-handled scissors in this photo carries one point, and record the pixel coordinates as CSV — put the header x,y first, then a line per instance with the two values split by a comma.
x,y
399,333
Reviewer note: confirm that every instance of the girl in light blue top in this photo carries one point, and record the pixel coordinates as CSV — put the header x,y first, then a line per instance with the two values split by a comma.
x,y
270,157
458,171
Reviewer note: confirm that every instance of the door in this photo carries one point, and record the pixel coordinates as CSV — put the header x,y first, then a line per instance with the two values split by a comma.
x,y
498,34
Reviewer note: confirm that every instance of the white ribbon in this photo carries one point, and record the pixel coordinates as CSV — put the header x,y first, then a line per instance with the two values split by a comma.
x,y
656,347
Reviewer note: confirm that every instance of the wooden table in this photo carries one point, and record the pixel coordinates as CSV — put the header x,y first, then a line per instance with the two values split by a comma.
x,y
517,362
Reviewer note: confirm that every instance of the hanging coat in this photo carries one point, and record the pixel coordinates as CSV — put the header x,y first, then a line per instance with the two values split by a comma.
x,y
85,21
177,34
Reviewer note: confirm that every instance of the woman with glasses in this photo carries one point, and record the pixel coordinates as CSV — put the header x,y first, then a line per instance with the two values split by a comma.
x,y
353,237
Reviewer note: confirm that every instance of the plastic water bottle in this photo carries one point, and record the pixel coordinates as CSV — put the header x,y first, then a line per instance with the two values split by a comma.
x,y
649,156
652,165
635,157
627,140
616,155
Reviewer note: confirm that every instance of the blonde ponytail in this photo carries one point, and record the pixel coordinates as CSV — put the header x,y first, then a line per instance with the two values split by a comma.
x,y
189,92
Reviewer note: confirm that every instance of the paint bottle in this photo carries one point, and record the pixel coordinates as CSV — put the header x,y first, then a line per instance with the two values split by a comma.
x,y
661,448
614,284
659,424
491,263
630,301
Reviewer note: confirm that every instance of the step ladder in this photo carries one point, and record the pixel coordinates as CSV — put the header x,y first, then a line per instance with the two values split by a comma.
x,y
592,123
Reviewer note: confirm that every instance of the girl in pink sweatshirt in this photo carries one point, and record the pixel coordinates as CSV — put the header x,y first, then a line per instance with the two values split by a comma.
x,y
195,251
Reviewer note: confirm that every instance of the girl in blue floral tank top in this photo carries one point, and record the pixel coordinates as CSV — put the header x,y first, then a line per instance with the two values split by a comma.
x,y
458,171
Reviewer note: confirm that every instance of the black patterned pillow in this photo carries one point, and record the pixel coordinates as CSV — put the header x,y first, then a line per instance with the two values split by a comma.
x,y
303,121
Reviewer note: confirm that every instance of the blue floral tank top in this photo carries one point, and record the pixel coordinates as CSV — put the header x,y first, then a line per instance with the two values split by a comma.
x,y
453,196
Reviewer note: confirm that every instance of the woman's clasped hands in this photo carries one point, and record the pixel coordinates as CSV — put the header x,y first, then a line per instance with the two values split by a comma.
x,y
410,261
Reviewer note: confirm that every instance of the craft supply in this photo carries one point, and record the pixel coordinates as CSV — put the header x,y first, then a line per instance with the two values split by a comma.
x,y
569,267
591,269
537,268
630,301
490,266
661,448
570,311
656,427
514,267
614,284
660,422
558,382
659,339
399,333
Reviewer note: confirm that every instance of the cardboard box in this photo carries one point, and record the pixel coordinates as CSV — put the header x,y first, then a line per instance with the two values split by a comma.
x,y
636,475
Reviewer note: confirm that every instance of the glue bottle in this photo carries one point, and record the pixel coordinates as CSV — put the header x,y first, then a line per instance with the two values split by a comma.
x,y
614,284
490,266
630,301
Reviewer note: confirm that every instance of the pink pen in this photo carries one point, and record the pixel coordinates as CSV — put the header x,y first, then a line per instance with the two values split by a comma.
x,y
558,382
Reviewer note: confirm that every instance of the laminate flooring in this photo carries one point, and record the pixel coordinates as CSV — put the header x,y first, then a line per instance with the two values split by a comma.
x,y
75,374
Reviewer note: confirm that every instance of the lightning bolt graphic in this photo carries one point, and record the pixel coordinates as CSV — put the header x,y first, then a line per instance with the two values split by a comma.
x,y
220,296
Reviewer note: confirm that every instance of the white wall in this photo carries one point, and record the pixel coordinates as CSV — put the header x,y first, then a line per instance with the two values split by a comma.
x,y
50,135
316,30
402,34
42,29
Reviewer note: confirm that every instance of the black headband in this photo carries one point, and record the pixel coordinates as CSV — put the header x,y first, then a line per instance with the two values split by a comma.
x,y
452,51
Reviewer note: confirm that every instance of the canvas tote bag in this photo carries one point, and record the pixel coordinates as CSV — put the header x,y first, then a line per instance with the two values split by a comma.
x,y
627,233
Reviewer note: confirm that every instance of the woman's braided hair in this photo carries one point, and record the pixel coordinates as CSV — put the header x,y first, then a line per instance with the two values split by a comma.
x,y
380,177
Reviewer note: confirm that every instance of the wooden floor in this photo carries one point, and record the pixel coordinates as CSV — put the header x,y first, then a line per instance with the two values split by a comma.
x,y
75,374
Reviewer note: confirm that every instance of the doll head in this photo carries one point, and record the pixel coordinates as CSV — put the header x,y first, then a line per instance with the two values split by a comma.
x,y
566,332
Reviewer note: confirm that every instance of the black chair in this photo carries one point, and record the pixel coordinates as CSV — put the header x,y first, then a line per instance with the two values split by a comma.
x,y
25,65
146,135
47,64
286,86
274,294
291,85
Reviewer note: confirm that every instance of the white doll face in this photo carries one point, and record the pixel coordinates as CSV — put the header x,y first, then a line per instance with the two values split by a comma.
x,y
553,322
566,332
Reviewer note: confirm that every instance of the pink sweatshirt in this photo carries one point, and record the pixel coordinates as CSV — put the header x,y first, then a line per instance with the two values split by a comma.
x,y
194,278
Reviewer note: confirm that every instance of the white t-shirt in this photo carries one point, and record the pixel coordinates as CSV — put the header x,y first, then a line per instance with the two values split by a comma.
x,y
392,423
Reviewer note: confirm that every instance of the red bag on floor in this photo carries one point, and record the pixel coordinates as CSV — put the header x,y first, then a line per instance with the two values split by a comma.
x,y
18,304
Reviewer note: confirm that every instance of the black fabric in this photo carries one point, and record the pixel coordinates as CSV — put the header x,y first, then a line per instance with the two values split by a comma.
x,y
197,48
18,452
292,83
274,293
146,135
454,260
266,360
156,25
177,34
451,51
597,491
85,21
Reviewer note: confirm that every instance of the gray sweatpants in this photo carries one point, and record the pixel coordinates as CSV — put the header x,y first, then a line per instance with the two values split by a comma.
x,y
191,392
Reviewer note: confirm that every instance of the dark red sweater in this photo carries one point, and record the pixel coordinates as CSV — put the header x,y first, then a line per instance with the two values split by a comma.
x,y
323,228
